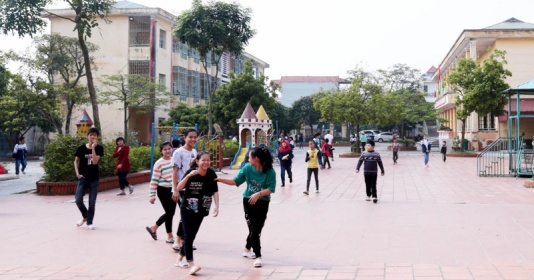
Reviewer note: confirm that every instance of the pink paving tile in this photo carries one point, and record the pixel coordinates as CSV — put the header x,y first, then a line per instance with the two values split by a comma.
x,y
284,275
428,278
457,276
485,273
344,269
370,272
340,275
427,272
314,272
398,276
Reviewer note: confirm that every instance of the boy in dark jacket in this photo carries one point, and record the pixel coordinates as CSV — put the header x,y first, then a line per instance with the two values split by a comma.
x,y
370,173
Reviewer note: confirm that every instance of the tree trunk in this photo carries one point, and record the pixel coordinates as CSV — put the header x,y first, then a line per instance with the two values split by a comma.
x,y
463,136
89,76
70,107
357,135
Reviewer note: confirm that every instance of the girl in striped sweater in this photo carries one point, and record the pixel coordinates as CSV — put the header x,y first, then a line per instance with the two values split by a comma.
x,y
161,184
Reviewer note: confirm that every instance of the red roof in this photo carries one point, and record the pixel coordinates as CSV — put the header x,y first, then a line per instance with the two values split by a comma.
x,y
432,69
248,113
312,79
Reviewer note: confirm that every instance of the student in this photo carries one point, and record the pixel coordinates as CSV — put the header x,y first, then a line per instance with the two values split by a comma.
x,y
425,147
19,154
317,143
86,161
181,161
161,185
312,158
199,190
443,151
370,170
325,152
330,142
261,183
395,149
122,166
363,140
285,156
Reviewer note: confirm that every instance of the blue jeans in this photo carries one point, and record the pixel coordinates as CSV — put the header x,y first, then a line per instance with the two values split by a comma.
x,y
426,156
18,162
83,185
283,169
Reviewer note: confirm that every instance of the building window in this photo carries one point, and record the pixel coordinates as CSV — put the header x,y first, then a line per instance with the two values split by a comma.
x,y
139,67
175,46
161,84
486,122
184,51
162,39
196,55
139,32
425,88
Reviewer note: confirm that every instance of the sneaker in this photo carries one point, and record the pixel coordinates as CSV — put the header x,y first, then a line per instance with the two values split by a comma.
x,y
121,193
375,200
317,191
306,193
290,180
249,255
80,223
182,264
131,189
176,246
194,270
23,172
258,262
91,227
282,185
368,198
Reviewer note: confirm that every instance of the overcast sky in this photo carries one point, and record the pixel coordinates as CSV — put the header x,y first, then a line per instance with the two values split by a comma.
x,y
328,38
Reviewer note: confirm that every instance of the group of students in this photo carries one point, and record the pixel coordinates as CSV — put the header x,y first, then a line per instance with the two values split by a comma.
x,y
183,177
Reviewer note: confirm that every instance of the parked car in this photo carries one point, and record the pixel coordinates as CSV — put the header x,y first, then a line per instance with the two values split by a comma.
x,y
384,136
371,134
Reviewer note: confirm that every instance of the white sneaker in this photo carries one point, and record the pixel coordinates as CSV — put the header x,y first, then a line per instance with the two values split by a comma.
x,y
249,255
258,263
91,227
368,198
80,223
176,246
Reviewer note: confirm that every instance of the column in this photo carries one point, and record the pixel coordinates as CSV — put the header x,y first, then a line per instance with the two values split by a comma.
x,y
344,130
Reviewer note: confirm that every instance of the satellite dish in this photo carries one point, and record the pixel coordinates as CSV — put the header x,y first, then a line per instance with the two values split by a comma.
x,y
217,128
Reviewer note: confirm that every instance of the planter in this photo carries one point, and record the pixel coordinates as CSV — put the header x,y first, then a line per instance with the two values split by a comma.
x,y
462,155
528,183
349,155
404,148
69,188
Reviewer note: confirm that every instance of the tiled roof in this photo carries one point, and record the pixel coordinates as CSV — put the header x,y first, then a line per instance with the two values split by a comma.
x,y
432,69
512,23
128,5
248,113
312,79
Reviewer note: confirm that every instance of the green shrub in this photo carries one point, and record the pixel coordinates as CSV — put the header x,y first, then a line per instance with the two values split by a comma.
x,y
407,142
230,148
59,158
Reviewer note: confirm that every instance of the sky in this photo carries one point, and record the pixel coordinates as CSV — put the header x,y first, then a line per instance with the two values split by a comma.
x,y
329,38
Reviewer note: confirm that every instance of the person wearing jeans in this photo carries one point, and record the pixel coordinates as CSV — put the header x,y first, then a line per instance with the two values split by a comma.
x,y
86,161
285,156
19,153
425,147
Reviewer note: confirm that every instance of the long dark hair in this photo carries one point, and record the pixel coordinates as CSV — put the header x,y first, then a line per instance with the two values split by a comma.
x,y
194,164
263,154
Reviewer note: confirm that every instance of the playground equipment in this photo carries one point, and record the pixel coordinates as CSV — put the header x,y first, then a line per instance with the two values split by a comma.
x,y
255,129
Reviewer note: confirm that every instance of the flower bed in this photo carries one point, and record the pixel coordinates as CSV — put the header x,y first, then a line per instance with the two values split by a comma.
x,y
69,188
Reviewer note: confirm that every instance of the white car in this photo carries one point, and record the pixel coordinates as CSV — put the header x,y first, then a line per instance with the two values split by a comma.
x,y
384,136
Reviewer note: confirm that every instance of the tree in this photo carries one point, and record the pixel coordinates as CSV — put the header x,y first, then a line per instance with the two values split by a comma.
x,y
186,116
213,30
304,112
398,77
479,88
24,17
134,92
232,98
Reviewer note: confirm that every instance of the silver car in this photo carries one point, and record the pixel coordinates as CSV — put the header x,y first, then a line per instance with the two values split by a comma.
x,y
384,136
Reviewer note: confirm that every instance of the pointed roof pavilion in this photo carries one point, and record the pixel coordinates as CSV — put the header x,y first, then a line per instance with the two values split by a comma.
x,y
262,115
248,113
84,118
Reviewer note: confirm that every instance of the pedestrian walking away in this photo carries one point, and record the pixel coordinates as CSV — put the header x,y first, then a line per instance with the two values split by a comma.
x,y
443,151
20,153
161,185
395,149
325,152
181,162
199,190
312,158
261,183
363,140
330,142
370,160
285,156
122,166
425,147
86,161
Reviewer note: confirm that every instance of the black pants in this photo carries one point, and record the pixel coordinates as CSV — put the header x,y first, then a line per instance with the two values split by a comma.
x,y
395,156
191,224
255,215
325,161
180,230
123,182
444,156
283,169
370,184
315,172
165,196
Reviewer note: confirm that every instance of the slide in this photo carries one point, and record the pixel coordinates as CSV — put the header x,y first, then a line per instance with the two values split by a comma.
x,y
239,158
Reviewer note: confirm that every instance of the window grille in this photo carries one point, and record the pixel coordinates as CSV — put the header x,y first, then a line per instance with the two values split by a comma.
x,y
161,85
139,67
162,39
139,32
184,51
486,122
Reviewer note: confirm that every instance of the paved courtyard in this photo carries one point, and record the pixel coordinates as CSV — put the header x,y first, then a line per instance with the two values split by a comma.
x,y
441,222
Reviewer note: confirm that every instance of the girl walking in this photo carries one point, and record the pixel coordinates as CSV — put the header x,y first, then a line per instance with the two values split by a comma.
x,y
261,183
312,158
285,155
122,166
161,185
199,190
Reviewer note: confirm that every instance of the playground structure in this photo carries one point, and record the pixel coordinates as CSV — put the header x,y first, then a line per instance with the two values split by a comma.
x,y
213,144
255,129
